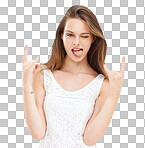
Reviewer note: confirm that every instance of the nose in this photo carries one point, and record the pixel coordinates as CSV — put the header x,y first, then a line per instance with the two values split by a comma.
x,y
76,41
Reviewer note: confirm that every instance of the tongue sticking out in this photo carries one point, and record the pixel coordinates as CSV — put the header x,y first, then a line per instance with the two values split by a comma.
x,y
78,52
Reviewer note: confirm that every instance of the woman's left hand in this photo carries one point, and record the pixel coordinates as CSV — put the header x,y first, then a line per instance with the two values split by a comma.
x,y
115,80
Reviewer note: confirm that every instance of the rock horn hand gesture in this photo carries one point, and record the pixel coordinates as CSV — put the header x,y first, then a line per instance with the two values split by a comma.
x,y
115,80
28,68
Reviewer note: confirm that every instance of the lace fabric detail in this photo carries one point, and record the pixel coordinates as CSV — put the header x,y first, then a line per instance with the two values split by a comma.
x,y
90,91
67,112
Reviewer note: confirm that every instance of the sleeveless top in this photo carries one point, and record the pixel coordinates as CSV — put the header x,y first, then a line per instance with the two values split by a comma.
x,y
67,112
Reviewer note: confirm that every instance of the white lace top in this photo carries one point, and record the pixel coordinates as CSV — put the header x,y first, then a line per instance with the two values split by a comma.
x,y
67,112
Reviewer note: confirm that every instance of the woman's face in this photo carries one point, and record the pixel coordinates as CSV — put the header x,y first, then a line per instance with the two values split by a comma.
x,y
77,35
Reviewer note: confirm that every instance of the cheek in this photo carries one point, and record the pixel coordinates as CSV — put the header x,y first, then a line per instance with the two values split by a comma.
x,y
65,40
67,43
87,44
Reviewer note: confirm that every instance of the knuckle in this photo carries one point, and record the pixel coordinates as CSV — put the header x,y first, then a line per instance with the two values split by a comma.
x,y
29,69
24,65
119,76
113,71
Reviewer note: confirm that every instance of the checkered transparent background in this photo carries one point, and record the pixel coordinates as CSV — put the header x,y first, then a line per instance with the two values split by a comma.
x,y
34,23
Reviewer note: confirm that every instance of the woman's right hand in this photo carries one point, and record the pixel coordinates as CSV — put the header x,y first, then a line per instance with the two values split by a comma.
x,y
28,68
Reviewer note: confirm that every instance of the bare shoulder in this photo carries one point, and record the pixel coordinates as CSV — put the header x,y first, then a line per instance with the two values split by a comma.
x,y
103,95
39,75
39,92
100,100
104,91
105,86
38,86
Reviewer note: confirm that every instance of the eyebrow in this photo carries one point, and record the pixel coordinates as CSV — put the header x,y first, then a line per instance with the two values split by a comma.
x,y
73,32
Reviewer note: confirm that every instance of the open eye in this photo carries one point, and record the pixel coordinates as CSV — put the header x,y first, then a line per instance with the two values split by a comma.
x,y
69,35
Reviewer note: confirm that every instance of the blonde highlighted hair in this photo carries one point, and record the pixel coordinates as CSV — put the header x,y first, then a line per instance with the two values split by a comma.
x,y
97,52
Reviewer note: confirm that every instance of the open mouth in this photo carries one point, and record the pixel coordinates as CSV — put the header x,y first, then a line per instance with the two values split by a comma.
x,y
76,50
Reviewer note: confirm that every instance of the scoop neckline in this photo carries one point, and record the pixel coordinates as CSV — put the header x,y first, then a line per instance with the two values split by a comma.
x,y
81,89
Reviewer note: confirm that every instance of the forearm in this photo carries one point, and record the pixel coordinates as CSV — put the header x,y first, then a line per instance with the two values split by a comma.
x,y
99,125
32,115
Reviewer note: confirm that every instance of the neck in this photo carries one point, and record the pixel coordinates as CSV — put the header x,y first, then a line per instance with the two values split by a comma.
x,y
75,66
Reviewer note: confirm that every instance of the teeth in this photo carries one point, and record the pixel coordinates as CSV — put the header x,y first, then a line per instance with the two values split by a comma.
x,y
76,49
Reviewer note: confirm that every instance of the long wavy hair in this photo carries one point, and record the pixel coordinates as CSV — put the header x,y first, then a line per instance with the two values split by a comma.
x,y
97,52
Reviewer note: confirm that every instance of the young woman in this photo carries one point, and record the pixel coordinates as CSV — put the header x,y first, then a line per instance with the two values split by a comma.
x,y
69,101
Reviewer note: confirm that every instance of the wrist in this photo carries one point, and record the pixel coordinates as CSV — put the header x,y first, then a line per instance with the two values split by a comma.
x,y
26,91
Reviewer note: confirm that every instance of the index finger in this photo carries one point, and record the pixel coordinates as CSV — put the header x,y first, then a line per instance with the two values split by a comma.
x,y
123,65
25,54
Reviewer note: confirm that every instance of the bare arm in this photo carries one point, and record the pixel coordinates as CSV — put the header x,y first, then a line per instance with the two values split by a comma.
x,y
99,125
33,108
